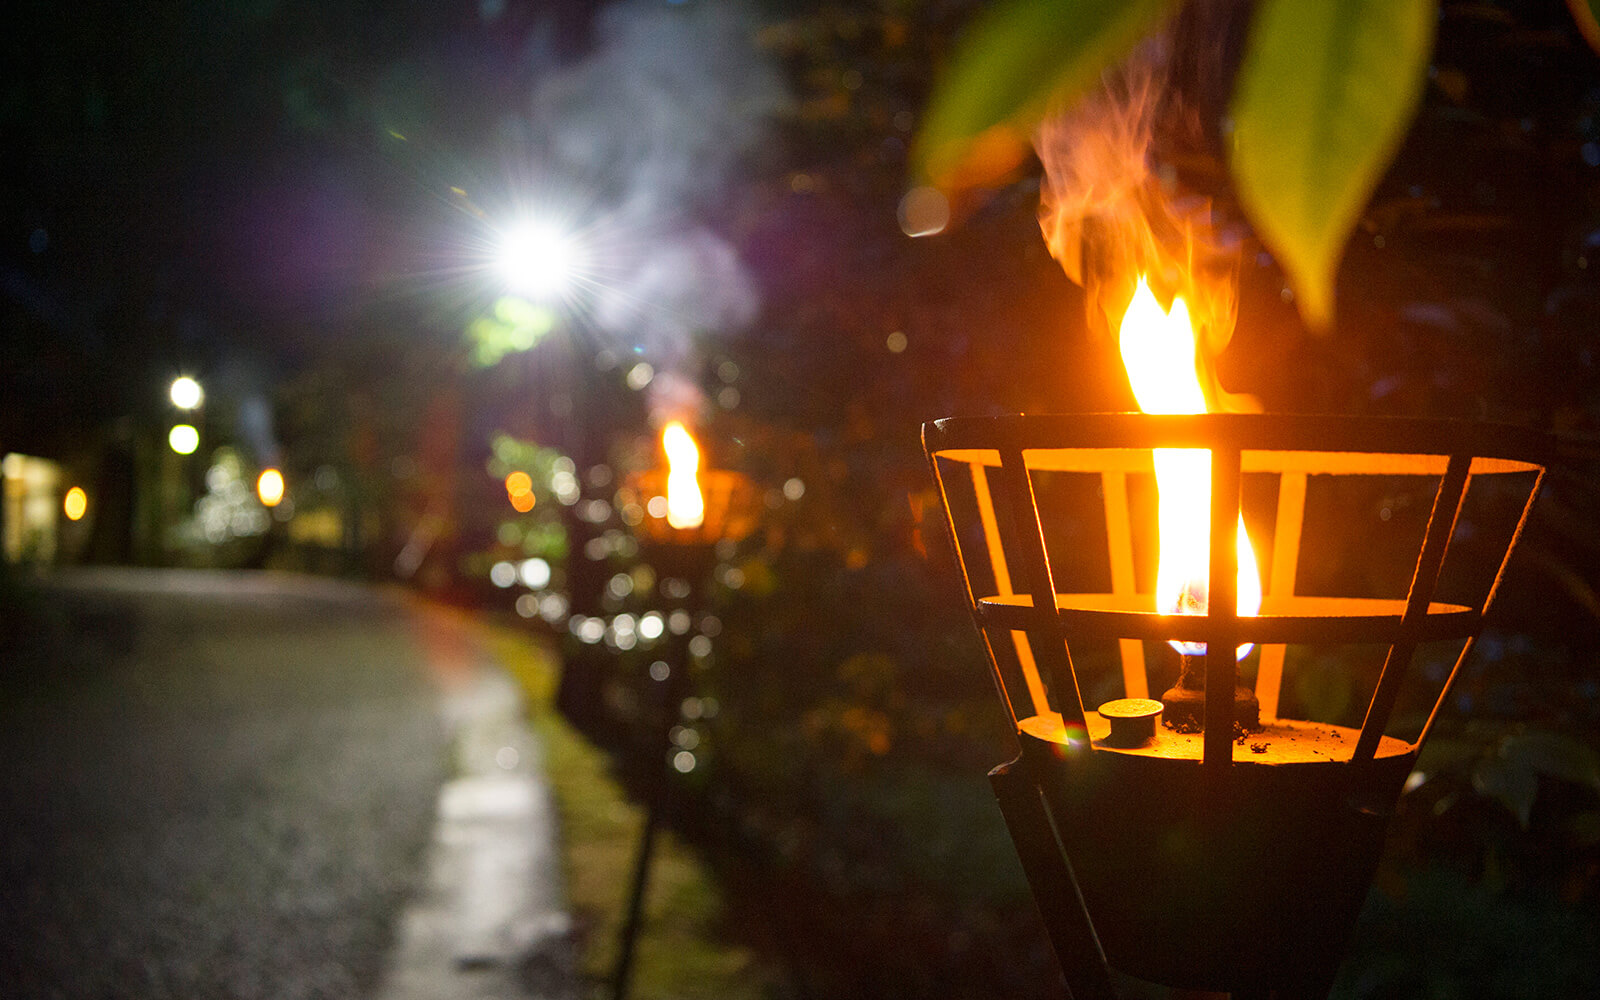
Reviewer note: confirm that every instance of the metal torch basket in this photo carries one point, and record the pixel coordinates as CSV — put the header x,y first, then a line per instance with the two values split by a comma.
x,y
730,514
1210,861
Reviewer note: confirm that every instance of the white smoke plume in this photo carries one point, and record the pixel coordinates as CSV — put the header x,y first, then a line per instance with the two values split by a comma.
x,y
653,126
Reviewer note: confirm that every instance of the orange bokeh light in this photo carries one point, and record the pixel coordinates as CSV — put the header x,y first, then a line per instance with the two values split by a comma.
x,y
76,504
519,489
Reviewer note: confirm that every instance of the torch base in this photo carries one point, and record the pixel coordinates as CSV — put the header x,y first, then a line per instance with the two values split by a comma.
x,y
1185,882
1184,709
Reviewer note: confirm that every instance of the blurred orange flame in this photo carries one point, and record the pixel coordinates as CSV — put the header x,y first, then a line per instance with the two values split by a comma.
x,y
685,506
1158,350
76,504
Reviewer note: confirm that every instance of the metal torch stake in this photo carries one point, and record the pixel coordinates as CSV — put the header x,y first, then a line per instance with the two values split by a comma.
x,y
672,690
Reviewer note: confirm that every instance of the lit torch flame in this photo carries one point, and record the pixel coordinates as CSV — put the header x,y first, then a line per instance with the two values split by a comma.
x,y
685,507
1158,349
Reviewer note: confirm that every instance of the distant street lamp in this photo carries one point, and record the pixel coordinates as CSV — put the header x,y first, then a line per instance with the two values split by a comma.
x,y
186,393
75,504
183,439
538,260
269,487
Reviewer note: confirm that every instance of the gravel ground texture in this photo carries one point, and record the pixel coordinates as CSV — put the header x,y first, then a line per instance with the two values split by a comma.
x,y
211,785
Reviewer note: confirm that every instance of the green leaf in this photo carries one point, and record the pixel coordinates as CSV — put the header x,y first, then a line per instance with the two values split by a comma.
x,y
1554,754
1587,14
1509,783
1323,98
1014,62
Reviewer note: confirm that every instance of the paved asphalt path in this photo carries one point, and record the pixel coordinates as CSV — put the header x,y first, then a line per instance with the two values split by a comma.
x,y
217,785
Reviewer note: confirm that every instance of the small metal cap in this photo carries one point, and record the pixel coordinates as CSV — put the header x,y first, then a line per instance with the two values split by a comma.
x,y
1133,721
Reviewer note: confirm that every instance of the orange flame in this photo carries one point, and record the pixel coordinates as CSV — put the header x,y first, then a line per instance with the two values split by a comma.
x,y
1158,350
685,506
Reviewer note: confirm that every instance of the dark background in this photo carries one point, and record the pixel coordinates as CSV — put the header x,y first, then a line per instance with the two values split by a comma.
x,y
296,203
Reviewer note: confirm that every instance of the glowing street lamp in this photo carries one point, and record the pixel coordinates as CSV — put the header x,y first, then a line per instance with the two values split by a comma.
x,y
186,393
269,487
75,504
538,260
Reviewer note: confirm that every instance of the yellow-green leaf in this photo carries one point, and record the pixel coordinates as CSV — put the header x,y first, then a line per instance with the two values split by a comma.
x,y
1324,96
1014,61
1587,15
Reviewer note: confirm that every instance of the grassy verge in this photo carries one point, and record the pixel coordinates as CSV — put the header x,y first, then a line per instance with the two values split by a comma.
x,y
681,951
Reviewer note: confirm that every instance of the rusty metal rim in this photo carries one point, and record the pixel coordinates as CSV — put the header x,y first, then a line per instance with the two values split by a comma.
x,y
1258,431
1447,622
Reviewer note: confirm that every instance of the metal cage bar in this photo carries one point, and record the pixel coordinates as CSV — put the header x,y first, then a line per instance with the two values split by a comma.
x,y
1222,664
1452,493
1101,828
1119,540
1285,564
1002,454
1034,558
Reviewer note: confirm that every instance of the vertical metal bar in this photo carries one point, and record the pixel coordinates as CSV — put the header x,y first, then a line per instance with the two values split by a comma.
x,y
1285,563
1033,566
1516,536
1002,583
1055,888
955,533
1435,543
672,691
1222,665
984,503
1494,588
991,531
1119,543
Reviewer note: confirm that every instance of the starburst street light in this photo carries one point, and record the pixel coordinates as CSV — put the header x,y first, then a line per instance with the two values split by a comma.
x,y
539,260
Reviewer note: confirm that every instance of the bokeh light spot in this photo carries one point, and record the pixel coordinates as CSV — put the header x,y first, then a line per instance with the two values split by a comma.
x,y
534,573
76,504
183,439
640,375
924,211
269,487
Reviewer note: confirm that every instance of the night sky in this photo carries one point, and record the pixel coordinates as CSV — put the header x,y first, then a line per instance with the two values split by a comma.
x,y
186,179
